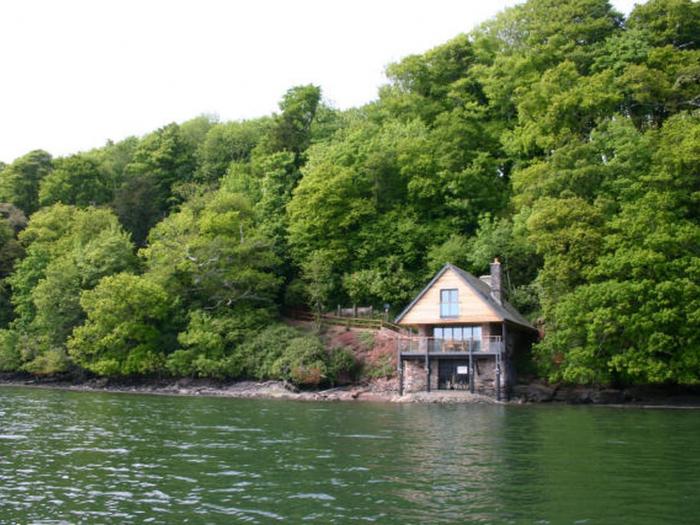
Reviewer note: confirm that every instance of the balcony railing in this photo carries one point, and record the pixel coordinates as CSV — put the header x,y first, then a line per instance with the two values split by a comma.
x,y
433,345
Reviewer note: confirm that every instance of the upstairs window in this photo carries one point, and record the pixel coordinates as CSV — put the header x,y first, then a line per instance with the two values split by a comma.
x,y
449,303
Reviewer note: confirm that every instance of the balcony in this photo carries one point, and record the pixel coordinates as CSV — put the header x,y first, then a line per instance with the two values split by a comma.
x,y
418,345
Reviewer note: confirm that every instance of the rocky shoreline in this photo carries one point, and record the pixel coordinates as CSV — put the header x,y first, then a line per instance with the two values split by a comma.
x,y
645,395
381,390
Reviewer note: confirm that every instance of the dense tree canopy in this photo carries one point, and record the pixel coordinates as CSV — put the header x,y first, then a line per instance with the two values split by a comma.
x,y
559,136
19,181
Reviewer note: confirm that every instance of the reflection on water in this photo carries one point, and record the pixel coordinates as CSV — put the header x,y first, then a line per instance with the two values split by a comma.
x,y
103,458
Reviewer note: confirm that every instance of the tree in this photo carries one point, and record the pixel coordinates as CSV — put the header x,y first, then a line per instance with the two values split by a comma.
x,y
138,205
317,274
210,254
77,180
426,85
226,143
291,130
211,258
162,161
632,319
668,22
126,328
19,181
68,251
10,252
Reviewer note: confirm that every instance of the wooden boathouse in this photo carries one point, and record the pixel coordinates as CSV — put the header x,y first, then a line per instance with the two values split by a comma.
x,y
467,337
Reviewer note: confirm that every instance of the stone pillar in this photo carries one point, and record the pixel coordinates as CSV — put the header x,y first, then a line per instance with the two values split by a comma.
x,y
414,376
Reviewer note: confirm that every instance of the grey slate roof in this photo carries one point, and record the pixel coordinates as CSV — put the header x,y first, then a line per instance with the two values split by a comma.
x,y
505,311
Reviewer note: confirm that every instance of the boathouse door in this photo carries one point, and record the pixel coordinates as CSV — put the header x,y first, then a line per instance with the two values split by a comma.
x,y
452,374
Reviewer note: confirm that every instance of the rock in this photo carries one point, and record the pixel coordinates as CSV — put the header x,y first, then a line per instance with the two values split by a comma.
x,y
534,392
290,387
608,396
574,395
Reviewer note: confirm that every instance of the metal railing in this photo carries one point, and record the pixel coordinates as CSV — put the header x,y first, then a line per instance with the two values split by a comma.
x,y
422,345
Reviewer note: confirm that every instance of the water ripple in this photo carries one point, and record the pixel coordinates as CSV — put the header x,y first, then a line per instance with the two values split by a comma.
x,y
70,457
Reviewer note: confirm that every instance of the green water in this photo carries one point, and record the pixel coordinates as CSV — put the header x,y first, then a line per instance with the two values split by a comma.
x,y
107,458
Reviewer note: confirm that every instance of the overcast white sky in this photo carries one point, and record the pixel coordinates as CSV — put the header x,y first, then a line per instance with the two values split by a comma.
x,y
75,73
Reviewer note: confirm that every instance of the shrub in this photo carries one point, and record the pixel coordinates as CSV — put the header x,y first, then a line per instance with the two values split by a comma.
x,y
302,362
383,366
10,359
51,361
256,356
342,365
366,339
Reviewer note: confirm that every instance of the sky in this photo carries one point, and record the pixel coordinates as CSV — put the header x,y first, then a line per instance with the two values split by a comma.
x,y
76,73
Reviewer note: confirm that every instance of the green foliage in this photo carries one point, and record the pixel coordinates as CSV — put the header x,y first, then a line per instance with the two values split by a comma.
x,y
632,318
226,143
162,162
48,362
426,85
10,252
367,339
342,366
210,255
281,352
19,181
77,180
302,362
381,367
557,136
291,130
317,275
668,22
125,332
10,357
454,250
194,131
68,250
207,346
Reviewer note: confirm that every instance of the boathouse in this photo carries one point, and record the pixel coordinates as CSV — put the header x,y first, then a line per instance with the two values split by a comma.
x,y
466,336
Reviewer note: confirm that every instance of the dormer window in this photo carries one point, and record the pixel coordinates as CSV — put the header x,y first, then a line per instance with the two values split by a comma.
x,y
449,303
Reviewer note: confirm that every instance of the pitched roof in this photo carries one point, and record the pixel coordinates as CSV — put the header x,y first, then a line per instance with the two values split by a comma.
x,y
505,311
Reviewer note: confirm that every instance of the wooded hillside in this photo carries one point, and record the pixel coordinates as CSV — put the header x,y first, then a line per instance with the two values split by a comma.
x,y
560,136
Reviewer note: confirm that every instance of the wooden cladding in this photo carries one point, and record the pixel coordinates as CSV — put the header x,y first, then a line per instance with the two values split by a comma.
x,y
472,307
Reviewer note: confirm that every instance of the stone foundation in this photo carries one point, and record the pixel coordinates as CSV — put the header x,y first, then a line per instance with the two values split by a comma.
x,y
415,376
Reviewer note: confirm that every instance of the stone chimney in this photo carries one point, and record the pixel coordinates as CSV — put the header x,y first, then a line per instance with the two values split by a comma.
x,y
496,281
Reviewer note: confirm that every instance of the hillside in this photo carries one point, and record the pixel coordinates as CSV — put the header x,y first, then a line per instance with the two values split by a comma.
x,y
560,136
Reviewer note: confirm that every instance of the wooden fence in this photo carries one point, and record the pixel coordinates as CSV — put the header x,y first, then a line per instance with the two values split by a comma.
x,y
350,322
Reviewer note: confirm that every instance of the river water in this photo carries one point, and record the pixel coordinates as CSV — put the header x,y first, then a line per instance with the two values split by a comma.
x,y
70,457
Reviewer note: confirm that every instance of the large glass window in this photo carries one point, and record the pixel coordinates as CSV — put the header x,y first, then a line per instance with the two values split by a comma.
x,y
449,303
460,333
476,337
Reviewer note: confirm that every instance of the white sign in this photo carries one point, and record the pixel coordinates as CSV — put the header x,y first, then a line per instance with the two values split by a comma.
x,y
462,370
